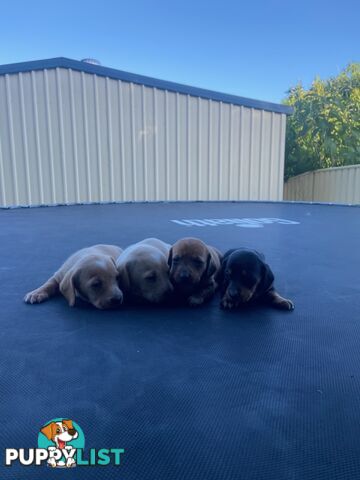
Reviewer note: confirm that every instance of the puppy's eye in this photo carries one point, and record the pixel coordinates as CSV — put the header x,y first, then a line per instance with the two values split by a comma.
x,y
151,277
198,262
65,429
96,284
58,430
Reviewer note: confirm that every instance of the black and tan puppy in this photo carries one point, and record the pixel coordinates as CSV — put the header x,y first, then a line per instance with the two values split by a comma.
x,y
194,267
89,274
246,279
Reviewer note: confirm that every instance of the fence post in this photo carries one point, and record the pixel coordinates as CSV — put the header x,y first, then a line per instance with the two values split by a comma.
x,y
313,187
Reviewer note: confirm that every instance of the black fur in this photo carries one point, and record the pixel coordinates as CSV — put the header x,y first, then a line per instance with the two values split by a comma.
x,y
258,273
246,278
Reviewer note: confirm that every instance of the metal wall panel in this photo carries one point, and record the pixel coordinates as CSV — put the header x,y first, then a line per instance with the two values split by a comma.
x,y
338,185
69,137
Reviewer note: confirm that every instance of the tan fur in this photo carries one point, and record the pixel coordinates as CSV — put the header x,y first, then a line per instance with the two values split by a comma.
x,y
278,301
49,430
68,423
193,269
143,270
80,274
245,295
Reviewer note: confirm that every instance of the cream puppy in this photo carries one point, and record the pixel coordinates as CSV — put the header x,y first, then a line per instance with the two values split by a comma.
x,y
90,273
144,272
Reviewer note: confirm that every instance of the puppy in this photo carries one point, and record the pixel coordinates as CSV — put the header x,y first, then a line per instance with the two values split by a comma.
x,y
246,278
90,274
194,267
60,433
143,271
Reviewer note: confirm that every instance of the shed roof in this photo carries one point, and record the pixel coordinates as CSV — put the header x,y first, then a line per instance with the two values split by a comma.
x,y
61,62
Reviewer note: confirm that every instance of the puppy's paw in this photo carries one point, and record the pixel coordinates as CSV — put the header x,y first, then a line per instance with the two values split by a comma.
x,y
227,304
70,462
285,304
290,304
195,301
52,462
36,296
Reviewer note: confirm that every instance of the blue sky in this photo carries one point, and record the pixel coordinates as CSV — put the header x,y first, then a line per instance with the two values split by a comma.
x,y
251,48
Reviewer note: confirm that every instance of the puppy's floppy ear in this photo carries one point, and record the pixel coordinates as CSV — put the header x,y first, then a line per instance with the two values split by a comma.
x,y
68,423
170,257
123,276
210,266
267,277
227,255
48,430
67,285
223,267
260,255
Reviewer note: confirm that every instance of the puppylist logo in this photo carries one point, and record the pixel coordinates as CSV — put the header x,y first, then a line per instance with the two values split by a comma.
x,y
61,444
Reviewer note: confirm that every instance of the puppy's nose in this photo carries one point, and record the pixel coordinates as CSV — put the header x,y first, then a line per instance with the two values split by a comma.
x,y
72,431
184,275
232,292
116,300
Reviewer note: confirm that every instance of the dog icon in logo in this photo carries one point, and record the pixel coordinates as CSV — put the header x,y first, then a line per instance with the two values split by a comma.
x,y
60,433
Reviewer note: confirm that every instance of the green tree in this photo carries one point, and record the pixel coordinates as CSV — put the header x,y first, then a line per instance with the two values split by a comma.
x,y
324,130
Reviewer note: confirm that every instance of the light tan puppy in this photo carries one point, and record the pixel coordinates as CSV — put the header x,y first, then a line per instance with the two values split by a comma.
x,y
194,267
89,274
143,271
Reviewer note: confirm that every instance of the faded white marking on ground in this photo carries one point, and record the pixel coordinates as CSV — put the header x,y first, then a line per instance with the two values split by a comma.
x,y
237,222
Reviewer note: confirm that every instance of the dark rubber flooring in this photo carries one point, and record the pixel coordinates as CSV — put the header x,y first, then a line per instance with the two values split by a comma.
x,y
189,394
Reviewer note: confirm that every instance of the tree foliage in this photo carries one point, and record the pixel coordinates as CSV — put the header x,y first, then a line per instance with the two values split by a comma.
x,y
324,130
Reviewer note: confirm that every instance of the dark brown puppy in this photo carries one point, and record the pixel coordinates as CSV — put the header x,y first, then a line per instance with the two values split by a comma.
x,y
89,274
194,267
246,278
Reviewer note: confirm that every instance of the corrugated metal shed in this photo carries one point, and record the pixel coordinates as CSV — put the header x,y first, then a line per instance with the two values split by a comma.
x,y
72,132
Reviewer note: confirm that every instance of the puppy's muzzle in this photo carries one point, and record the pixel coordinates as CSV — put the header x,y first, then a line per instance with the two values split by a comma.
x,y
116,300
184,276
232,293
169,288
246,295
243,295
183,279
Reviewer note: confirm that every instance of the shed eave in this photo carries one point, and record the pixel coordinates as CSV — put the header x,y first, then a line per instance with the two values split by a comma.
x,y
62,62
